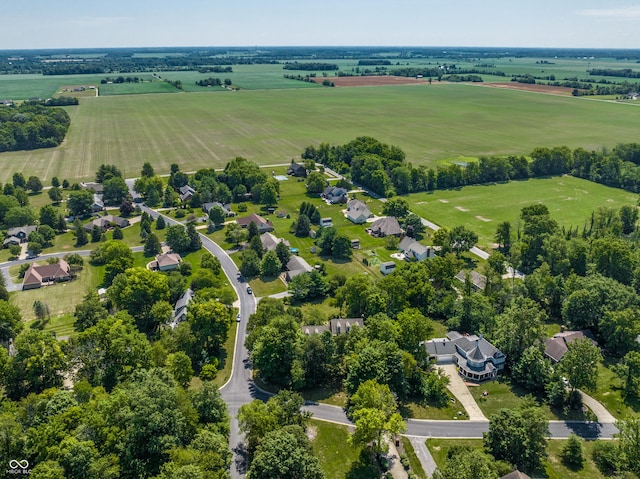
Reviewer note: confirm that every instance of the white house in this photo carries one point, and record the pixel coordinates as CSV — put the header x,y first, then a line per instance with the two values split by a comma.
x,y
357,212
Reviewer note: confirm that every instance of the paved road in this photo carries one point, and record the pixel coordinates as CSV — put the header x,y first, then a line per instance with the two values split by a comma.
x,y
239,389
11,286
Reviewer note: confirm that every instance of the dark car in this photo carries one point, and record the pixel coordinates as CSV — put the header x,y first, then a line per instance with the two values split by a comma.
x,y
249,290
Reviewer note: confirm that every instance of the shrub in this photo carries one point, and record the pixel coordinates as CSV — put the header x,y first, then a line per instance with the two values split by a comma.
x,y
606,456
242,207
180,213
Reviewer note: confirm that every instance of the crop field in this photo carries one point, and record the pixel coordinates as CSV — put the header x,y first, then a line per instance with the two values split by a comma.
x,y
429,122
153,86
23,87
481,208
246,77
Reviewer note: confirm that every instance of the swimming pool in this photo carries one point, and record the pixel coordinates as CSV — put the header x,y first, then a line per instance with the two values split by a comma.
x,y
281,178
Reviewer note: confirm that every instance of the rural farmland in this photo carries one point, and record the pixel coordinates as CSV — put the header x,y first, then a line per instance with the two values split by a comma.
x,y
430,123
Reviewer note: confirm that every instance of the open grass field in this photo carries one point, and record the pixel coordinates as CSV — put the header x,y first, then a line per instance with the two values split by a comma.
x,y
429,122
609,393
23,87
570,201
62,297
553,466
148,86
338,459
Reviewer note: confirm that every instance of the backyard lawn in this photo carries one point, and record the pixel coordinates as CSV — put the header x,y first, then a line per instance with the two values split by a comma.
x,y
502,394
337,457
61,297
553,467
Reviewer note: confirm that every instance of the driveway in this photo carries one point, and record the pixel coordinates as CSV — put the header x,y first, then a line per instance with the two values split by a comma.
x,y
460,390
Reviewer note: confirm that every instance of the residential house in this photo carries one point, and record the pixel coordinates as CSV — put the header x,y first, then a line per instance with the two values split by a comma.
x,y
166,262
336,326
477,359
19,235
478,281
226,208
107,221
98,204
357,212
180,309
387,267
37,276
297,266
269,241
296,169
186,193
93,186
414,250
556,347
334,195
387,226
263,225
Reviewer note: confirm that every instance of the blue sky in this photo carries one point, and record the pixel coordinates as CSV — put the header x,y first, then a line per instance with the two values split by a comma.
x,y
118,23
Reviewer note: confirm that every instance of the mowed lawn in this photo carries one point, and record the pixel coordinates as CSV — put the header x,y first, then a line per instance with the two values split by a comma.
x,y
481,208
429,122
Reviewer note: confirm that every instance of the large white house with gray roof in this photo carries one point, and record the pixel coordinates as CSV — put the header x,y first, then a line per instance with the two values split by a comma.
x,y
477,359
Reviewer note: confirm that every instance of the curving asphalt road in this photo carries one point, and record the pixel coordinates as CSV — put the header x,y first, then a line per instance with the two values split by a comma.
x,y
240,389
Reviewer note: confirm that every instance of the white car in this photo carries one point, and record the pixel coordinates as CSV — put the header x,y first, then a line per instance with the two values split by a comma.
x,y
238,317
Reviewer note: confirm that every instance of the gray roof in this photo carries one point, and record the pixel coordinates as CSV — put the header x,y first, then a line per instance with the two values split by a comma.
x,y
440,346
356,208
269,241
387,226
478,280
21,231
296,266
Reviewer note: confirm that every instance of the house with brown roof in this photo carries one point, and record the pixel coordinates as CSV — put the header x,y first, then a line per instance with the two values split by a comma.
x,y
556,347
166,262
37,276
263,225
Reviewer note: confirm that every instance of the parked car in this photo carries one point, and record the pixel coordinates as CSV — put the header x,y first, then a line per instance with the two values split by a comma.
x,y
238,317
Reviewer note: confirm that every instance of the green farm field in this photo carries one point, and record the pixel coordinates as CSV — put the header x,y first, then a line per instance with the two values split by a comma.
x,y
429,123
23,87
481,208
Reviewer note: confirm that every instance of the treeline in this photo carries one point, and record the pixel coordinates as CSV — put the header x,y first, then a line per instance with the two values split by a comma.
x,y
382,168
372,62
29,126
59,101
463,78
73,69
213,82
307,78
610,72
441,70
216,69
120,79
315,66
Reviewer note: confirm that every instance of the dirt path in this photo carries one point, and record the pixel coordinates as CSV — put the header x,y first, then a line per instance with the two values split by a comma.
x,y
460,390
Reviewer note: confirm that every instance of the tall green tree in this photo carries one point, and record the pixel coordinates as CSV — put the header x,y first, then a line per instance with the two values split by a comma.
x,y
375,414
580,364
210,324
519,327
518,436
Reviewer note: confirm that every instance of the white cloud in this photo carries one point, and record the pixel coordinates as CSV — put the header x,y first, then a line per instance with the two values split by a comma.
x,y
632,11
